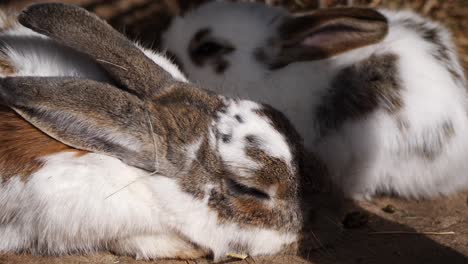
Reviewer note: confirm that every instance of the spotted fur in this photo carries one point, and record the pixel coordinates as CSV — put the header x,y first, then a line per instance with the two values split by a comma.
x,y
387,116
164,169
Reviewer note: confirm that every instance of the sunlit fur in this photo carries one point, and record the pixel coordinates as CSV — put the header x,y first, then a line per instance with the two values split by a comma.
x,y
89,202
368,155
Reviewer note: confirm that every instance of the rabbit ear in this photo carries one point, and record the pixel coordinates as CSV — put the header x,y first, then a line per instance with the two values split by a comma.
x,y
85,32
84,114
328,32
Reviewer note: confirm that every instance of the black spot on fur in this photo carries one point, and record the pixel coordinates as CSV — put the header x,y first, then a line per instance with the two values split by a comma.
x,y
223,110
251,139
239,118
359,90
205,49
226,138
197,38
221,66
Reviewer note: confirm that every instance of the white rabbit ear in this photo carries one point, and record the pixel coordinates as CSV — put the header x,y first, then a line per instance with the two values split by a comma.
x,y
328,32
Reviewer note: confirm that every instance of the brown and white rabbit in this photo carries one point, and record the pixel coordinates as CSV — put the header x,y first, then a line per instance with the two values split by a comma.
x,y
379,95
144,165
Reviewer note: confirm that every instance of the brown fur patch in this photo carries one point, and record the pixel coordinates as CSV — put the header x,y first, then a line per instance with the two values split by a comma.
x,y
273,172
6,67
22,146
206,163
246,211
182,116
9,19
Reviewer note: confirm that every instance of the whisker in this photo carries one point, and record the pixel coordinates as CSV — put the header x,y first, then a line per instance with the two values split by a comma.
x,y
321,247
155,146
117,191
113,64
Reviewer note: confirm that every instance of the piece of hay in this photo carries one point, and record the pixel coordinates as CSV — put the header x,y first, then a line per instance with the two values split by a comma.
x,y
237,256
412,233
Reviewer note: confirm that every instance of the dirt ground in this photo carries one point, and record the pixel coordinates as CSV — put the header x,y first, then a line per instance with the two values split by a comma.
x,y
387,230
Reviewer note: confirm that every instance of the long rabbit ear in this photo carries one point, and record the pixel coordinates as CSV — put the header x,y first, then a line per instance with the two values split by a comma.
x,y
84,114
328,32
83,31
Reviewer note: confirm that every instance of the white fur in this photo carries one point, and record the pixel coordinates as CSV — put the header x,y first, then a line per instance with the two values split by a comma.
x,y
365,156
95,202
196,221
233,150
269,139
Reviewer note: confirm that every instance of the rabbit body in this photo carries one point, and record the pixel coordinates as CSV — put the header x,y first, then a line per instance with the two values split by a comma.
x,y
60,209
94,202
389,117
58,200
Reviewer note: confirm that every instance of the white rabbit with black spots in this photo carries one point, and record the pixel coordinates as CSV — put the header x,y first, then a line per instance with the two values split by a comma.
x,y
378,95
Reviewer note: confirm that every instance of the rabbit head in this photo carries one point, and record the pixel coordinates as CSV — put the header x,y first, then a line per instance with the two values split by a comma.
x,y
222,42
240,162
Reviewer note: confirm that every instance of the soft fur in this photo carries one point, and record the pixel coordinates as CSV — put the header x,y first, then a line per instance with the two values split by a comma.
x,y
388,117
199,184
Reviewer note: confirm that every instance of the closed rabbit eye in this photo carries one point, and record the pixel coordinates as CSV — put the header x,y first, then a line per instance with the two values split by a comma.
x,y
239,189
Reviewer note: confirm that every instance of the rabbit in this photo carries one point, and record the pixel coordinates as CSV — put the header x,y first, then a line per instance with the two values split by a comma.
x,y
379,96
104,147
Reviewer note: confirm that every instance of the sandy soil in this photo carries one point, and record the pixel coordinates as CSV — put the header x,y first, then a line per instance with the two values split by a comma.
x,y
427,232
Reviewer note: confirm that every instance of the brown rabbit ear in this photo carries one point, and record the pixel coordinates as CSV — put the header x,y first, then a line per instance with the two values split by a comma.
x,y
328,32
84,114
83,31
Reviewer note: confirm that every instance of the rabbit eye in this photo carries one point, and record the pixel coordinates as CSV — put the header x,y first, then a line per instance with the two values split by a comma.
x,y
238,189
209,48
